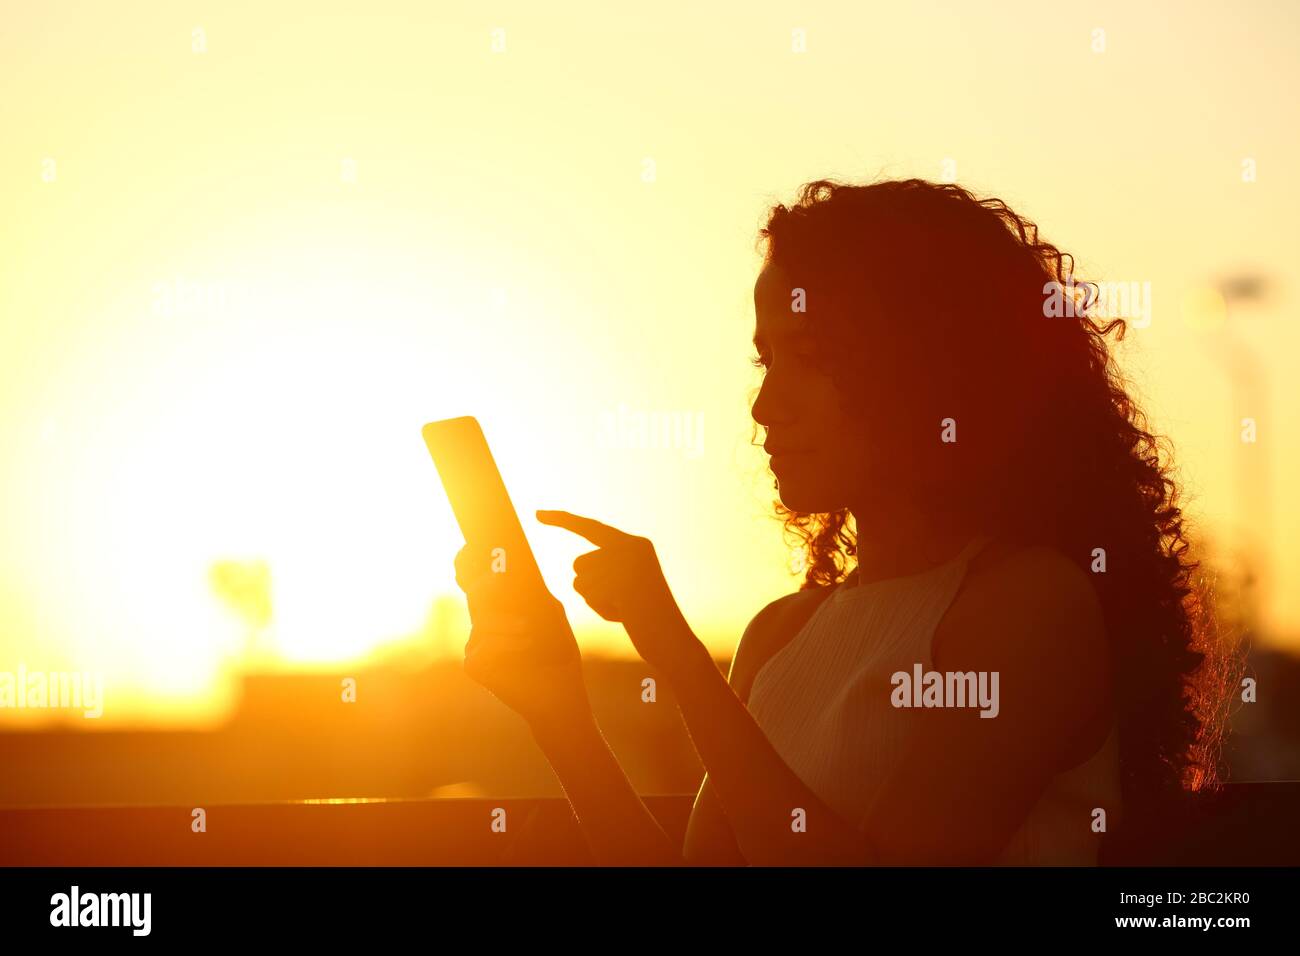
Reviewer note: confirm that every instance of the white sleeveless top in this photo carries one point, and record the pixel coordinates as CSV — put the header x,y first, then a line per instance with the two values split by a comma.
x,y
823,700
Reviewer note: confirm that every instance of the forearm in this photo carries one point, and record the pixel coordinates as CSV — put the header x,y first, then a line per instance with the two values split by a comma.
x,y
616,823
758,791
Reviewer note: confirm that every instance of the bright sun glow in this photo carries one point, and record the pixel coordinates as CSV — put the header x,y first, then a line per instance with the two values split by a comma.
x,y
237,281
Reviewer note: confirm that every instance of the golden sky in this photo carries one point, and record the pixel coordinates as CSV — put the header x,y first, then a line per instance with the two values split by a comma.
x,y
248,249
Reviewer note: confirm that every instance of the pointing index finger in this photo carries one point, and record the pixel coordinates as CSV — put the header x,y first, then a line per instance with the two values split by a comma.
x,y
601,535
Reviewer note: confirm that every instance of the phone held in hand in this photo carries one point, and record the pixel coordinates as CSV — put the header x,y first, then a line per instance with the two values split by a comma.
x,y
479,499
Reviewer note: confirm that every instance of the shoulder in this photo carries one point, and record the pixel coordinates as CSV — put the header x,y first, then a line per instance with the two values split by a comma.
x,y
1023,582
1033,614
774,626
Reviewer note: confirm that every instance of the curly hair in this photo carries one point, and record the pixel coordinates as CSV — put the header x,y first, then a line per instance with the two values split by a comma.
x,y
945,296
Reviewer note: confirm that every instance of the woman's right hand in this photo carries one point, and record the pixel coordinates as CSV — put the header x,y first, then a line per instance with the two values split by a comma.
x,y
521,647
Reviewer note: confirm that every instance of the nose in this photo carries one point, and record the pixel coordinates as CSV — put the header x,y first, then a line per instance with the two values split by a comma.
x,y
773,405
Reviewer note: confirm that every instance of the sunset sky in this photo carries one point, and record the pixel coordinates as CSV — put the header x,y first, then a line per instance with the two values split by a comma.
x,y
245,255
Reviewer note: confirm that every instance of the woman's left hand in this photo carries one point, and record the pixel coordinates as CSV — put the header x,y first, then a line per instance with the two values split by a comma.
x,y
623,582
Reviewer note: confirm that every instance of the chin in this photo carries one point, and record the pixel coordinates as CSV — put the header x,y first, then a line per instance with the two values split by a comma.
x,y
805,498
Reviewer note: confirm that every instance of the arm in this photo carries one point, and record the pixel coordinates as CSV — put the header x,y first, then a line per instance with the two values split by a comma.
x,y
522,649
616,823
756,790
618,826
613,817
710,840
604,801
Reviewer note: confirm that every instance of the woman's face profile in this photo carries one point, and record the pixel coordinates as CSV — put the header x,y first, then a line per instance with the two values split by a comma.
x,y
816,454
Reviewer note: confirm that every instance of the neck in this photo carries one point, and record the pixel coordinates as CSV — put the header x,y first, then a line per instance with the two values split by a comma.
x,y
900,539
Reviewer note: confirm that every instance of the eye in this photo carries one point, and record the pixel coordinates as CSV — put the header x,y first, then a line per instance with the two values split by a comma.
x,y
759,361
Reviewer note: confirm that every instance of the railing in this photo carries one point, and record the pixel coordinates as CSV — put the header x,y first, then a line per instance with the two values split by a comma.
x,y
1248,824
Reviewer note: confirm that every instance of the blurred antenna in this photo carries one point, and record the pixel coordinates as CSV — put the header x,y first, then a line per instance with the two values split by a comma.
x,y
1248,378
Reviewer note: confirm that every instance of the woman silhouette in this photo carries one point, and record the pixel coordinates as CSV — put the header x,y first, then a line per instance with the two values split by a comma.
x,y
998,651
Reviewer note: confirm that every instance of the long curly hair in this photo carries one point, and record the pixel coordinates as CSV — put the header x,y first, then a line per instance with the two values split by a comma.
x,y
961,310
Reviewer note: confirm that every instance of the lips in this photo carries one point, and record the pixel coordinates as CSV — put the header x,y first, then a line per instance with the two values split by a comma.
x,y
781,451
782,458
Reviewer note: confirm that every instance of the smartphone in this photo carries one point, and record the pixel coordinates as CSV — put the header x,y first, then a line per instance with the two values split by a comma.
x,y
479,499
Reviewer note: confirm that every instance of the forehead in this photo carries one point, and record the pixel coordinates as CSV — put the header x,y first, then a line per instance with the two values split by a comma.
x,y
773,296
772,287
